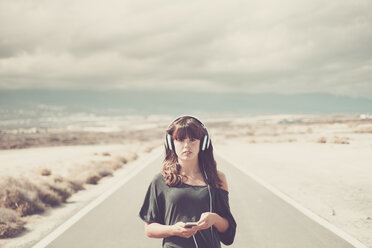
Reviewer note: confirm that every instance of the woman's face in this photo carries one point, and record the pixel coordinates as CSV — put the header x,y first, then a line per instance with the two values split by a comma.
x,y
187,149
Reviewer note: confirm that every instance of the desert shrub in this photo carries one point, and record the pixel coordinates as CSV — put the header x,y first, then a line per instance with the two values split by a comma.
x,y
113,164
364,130
28,197
44,193
93,172
149,149
54,139
45,172
134,156
48,196
58,179
130,156
75,185
101,169
341,140
63,187
60,190
104,171
121,159
322,140
10,223
83,174
92,177
20,197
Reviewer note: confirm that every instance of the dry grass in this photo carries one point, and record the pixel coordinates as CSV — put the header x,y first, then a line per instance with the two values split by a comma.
x,y
103,170
341,140
58,186
64,187
322,140
54,190
134,157
93,172
20,197
47,138
32,195
85,174
364,130
149,149
10,223
130,156
114,164
47,196
121,159
92,178
45,172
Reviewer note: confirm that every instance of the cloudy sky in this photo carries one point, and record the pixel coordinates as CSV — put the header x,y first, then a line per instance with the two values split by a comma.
x,y
254,46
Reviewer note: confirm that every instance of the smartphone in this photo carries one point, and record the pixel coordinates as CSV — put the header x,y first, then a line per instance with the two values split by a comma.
x,y
190,224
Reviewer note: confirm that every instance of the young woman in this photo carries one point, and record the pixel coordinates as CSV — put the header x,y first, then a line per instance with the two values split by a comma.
x,y
188,189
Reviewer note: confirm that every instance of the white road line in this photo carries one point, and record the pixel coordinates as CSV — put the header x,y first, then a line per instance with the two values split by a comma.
x,y
353,241
138,166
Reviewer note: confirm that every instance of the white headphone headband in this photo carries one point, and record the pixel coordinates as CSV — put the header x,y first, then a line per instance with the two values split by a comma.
x,y
204,143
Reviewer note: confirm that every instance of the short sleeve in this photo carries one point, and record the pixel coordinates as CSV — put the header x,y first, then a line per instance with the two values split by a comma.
x,y
152,207
223,209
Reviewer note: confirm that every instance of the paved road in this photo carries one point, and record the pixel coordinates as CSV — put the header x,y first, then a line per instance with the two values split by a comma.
x,y
263,219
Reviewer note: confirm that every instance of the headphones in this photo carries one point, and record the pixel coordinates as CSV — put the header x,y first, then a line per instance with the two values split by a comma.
x,y
204,145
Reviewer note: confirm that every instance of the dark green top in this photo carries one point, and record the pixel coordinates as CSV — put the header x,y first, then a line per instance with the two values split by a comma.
x,y
170,204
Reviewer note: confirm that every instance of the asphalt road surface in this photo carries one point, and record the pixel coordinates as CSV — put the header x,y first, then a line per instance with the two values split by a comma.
x,y
263,219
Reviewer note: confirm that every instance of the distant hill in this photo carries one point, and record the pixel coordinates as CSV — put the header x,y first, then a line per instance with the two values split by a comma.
x,y
176,102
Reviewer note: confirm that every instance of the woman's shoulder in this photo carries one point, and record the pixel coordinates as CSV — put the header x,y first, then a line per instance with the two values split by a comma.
x,y
223,179
158,178
158,181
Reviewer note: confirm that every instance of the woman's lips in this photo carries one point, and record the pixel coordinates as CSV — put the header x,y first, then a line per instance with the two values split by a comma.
x,y
187,152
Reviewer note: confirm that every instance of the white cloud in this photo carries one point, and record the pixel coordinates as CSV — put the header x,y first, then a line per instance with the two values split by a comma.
x,y
255,46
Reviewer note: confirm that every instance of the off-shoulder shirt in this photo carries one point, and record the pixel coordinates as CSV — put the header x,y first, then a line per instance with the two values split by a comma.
x,y
168,205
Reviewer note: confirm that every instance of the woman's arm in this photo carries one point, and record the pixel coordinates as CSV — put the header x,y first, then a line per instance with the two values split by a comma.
x,y
208,219
156,230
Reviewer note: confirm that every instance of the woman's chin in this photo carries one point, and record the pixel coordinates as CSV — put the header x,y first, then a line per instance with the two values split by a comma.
x,y
186,157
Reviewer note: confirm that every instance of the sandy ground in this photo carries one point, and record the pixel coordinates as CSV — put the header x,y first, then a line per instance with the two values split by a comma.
x,y
59,160
332,179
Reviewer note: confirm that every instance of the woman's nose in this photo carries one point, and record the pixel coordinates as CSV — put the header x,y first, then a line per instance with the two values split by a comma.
x,y
187,143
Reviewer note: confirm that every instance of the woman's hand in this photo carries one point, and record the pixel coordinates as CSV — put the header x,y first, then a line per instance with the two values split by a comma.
x,y
207,220
180,230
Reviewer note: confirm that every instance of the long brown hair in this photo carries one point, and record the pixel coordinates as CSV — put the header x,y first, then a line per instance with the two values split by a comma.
x,y
189,127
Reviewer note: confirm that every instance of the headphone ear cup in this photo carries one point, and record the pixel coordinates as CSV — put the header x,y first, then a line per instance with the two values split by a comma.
x,y
168,141
172,143
208,143
204,143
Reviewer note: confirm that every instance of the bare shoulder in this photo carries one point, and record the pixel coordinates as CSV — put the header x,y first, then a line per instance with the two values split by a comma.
x,y
223,179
